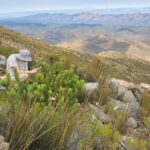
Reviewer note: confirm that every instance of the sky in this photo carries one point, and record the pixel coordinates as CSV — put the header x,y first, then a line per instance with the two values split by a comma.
x,y
32,5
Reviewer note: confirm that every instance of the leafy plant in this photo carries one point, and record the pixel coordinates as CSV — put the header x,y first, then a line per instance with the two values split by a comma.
x,y
42,108
136,144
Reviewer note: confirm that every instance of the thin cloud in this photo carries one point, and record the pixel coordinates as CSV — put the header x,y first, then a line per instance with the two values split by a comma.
x,y
31,5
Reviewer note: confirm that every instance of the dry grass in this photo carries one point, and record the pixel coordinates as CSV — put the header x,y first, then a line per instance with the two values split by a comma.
x,y
28,126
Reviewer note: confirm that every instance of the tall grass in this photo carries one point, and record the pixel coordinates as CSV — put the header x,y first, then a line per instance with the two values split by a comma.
x,y
32,127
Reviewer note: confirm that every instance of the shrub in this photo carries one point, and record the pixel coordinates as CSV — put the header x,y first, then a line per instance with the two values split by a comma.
x,y
146,103
119,116
33,127
105,137
53,83
136,144
42,108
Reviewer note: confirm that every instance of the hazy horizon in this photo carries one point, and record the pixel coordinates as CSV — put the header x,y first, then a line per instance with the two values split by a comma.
x,y
67,9
8,6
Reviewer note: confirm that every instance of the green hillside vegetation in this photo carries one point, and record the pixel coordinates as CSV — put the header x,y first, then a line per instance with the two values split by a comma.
x,y
87,65
11,42
50,109
128,67
44,111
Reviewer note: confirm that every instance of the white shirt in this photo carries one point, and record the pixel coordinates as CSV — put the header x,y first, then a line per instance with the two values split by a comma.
x,y
13,62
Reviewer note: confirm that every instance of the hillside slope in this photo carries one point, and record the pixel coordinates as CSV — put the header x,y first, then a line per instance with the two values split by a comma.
x,y
140,50
123,67
12,42
127,66
97,44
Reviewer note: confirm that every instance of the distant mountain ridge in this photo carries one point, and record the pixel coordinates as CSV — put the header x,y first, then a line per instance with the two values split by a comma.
x,y
73,11
90,30
134,19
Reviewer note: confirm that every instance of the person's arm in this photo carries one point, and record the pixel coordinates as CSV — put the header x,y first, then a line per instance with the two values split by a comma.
x,y
33,71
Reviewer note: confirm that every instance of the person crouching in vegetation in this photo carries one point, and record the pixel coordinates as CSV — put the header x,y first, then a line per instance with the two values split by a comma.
x,y
20,63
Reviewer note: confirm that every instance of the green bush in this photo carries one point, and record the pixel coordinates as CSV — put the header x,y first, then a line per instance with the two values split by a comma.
x,y
136,144
53,83
42,108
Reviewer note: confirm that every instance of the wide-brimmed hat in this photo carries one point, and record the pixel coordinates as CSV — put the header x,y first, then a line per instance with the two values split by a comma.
x,y
24,55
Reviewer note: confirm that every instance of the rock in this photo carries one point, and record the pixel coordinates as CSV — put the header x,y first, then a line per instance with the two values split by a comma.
x,y
132,122
131,109
91,91
104,117
134,110
2,139
117,89
133,105
98,112
120,105
137,95
145,86
120,82
94,109
79,133
128,97
2,88
3,145
91,86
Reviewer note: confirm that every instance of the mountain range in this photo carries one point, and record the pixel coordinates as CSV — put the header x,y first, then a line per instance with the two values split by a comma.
x,y
73,11
89,31
46,19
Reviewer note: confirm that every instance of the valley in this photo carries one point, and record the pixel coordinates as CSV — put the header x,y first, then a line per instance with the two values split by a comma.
x,y
89,32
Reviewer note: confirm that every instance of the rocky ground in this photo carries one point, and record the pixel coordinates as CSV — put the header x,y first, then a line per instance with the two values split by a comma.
x,y
125,98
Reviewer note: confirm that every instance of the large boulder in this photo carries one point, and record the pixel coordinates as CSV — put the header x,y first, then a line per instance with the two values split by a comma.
x,y
131,109
132,102
91,91
119,87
